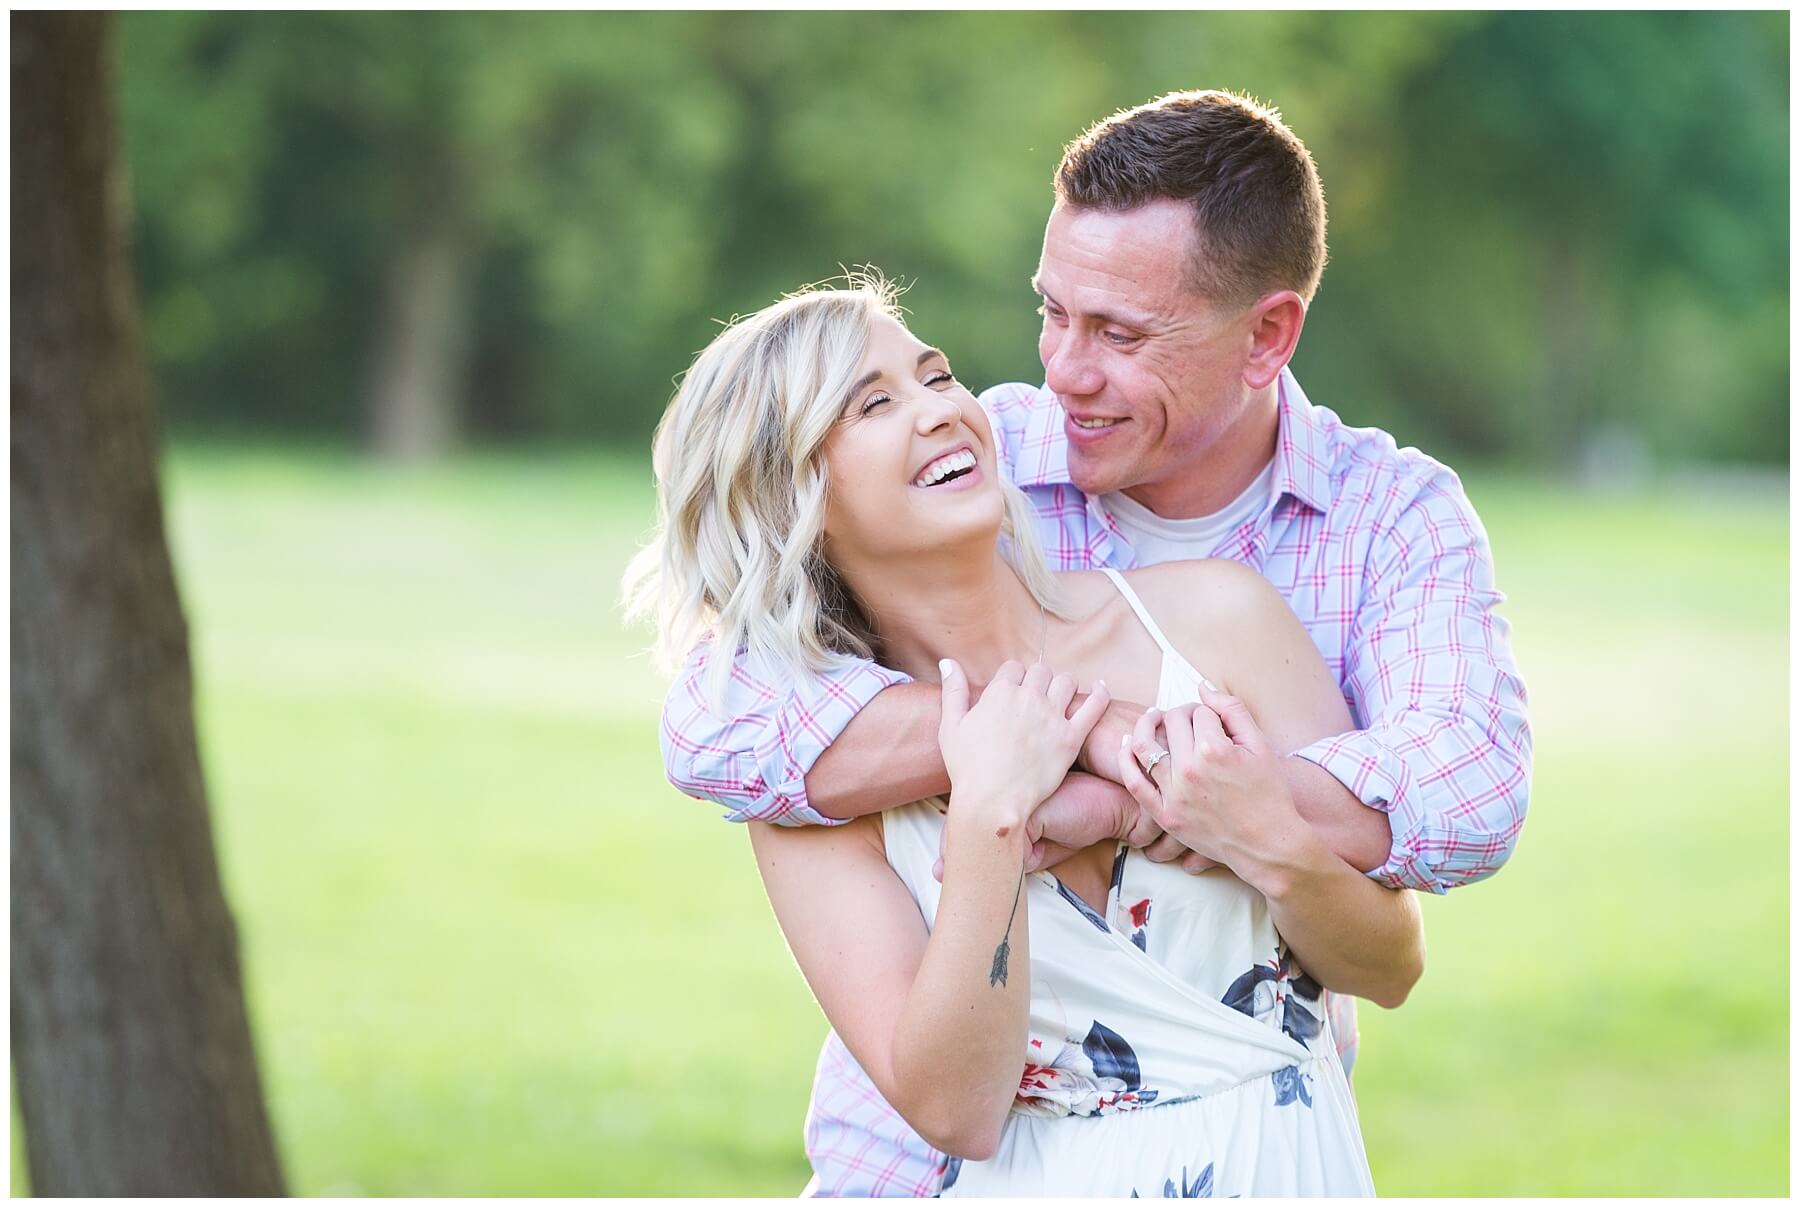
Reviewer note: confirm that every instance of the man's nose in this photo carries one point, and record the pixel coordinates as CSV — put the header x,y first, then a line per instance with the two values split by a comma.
x,y
1070,367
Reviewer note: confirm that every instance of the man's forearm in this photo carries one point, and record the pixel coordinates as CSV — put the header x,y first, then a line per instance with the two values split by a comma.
x,y
887,756
1356,833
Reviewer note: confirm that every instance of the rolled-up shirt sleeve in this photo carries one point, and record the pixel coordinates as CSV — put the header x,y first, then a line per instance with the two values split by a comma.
x,y
1446,747
753,759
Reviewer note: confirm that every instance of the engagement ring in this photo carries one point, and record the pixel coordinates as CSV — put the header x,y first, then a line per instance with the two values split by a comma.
x,y
1154,760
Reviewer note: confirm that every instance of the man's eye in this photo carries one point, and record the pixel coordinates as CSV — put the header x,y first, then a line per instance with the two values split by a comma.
x,y
1050,312
1121,339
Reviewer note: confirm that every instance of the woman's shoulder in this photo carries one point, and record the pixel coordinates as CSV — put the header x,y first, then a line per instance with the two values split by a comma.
x,y
1196,591
1208,607
1199,583
1086,593
1217,574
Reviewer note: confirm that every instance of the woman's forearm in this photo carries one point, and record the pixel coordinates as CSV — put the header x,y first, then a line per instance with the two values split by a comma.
x,y
960,1040
1349,933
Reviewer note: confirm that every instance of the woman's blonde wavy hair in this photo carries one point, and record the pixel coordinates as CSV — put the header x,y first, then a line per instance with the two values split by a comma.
x,y
737,555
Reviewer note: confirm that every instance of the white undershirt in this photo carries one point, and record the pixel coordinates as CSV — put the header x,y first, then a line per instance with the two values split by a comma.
x,y
1158,539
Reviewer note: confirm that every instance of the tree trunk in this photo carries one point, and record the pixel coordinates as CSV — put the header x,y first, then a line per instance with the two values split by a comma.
x,y
416,396
135,1069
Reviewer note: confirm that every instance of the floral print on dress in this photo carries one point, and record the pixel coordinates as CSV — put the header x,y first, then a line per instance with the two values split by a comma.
x,y
1100,1077
1279,994
1132,919
1303,1013
1200,1189
1137,917
1290,1085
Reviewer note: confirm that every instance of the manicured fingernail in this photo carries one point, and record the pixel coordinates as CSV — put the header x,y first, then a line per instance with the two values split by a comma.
x,y
1099,685
943,666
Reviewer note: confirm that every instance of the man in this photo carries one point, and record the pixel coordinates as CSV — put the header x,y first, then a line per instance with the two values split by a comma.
x,y
1186,241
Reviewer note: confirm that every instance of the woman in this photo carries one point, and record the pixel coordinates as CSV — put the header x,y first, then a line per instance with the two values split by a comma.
x,y
1110,1026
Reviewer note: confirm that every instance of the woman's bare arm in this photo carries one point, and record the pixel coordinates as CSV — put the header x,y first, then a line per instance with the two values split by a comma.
x,y
938,1020
1348,932
941,1036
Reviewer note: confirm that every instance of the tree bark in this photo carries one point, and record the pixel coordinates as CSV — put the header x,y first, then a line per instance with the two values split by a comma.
x,y
131,1048
415,401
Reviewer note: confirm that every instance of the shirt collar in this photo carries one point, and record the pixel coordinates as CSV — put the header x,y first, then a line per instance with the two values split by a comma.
x,y
1043,436
1301,465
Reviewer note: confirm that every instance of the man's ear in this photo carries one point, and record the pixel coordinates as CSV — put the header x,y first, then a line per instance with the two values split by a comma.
x,y
1275,323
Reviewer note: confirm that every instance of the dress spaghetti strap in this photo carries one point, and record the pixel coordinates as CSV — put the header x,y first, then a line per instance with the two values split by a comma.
x,y
1178,674
1143,614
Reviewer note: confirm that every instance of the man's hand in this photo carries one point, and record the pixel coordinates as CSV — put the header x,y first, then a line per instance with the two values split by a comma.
x,y
1091,804
1085,810
1100,751
1100,757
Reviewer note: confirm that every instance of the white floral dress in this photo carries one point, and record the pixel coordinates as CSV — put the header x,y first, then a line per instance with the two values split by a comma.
x,y
1174,1051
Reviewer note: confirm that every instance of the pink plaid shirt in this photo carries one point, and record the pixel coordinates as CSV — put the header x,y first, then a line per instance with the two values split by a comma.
x,y
1380,555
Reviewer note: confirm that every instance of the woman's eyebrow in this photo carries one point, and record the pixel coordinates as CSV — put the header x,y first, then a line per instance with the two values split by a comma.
x,y
870,378
864,382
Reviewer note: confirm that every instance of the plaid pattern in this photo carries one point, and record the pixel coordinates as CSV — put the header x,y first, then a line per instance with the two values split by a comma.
x,y
1383,559
858,1145
754,762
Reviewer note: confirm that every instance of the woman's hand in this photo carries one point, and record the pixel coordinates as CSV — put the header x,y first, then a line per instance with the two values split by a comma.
x,y
1156,844
1083,810
1012,749
1220,790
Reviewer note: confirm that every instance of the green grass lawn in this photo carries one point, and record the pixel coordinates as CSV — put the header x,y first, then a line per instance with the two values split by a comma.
x,y
490,952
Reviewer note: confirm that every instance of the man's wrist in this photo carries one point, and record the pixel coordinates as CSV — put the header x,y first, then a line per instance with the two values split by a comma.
x,y
1100,749
1090,758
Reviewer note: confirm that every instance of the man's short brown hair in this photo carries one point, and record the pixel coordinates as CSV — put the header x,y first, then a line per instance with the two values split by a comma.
x,y
1259,211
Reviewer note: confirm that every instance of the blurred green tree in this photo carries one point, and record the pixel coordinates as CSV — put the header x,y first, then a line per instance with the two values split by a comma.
x,y
1582,231
409,225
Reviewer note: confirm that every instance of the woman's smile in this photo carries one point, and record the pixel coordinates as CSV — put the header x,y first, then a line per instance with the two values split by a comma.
x,y
956,470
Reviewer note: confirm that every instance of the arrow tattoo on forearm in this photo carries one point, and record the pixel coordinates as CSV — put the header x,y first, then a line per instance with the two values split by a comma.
x,y
997,975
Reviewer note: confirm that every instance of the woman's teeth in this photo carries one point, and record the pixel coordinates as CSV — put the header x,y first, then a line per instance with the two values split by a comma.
x,y
944,467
